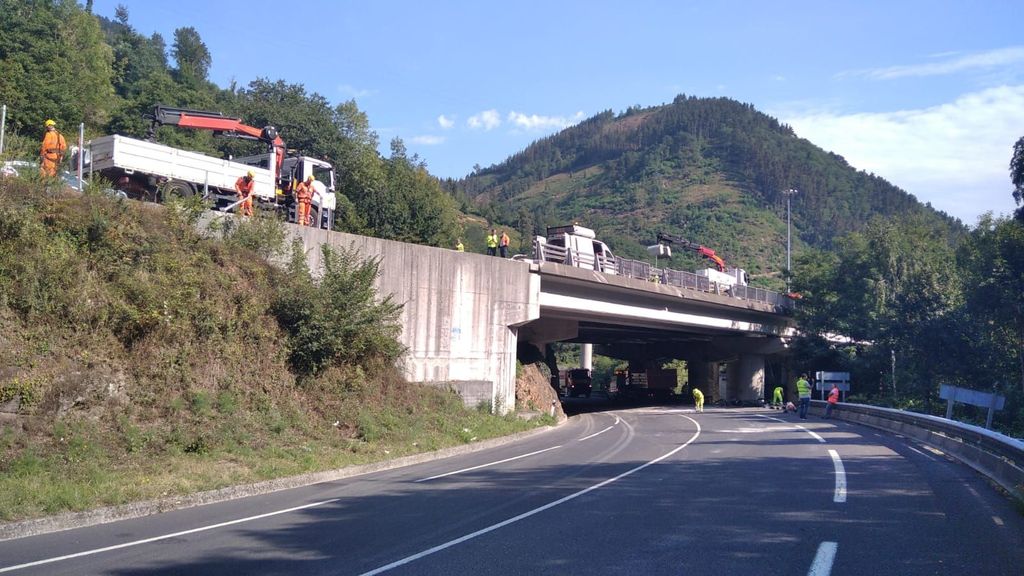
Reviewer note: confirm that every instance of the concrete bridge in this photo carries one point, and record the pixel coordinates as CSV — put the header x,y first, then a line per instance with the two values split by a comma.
x,y
467,317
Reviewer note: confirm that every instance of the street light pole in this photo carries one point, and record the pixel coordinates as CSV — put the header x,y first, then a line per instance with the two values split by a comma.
x,y
789,234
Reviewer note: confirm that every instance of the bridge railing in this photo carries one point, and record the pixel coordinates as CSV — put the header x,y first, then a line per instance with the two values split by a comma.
x,y
999,457
691,281
644,271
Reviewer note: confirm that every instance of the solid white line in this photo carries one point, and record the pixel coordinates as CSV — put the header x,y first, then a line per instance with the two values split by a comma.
x,y
597,433
822,565
164,537
533,512
928,456
812,433
486,465
840,494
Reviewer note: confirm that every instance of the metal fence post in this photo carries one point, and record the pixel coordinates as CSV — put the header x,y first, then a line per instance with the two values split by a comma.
x,y
81,153
3,125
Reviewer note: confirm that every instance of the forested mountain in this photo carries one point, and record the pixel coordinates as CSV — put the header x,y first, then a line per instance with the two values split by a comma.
x,y
711,169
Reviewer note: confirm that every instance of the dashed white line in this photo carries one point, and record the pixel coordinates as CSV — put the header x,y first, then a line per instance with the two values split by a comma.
x,y
487,464
533,512
822,564
164,537
840,493
997,520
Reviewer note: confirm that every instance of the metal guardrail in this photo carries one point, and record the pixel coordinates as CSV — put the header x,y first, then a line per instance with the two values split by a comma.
x,y
998,457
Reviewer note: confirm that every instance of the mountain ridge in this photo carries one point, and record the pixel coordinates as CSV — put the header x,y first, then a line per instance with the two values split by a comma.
x,y
711,169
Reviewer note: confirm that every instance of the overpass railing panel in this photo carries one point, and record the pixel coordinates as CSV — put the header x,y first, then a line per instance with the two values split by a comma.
x,y
678,278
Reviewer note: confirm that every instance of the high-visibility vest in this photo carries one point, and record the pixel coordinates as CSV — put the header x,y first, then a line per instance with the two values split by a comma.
x,y
803,388
492,240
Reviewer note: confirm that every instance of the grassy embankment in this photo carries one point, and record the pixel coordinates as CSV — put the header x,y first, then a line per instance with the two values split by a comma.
x,y
141,359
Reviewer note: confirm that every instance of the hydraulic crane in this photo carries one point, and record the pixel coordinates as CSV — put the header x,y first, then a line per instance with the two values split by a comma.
x,y
220,125
666,238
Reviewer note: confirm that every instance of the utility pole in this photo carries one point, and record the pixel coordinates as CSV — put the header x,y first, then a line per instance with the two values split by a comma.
x,y
789,236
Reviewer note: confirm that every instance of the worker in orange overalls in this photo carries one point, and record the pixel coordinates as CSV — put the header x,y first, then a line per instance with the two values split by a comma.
x,y
51,153
244,188
503,244
303,200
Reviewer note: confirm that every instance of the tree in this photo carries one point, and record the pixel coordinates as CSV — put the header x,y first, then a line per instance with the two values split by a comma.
x,y
192,57
992,263
53,64
1017,175
895,287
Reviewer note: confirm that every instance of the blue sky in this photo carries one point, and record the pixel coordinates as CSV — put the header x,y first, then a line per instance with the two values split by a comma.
x,y
926,94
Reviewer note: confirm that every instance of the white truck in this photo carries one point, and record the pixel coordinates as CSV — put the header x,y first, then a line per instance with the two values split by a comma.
x,y
574,245
146,170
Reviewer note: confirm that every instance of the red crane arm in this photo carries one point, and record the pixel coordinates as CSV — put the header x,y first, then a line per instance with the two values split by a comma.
x,y
710,255
218,122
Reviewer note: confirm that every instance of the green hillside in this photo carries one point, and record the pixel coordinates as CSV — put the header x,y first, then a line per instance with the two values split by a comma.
x,y
710,169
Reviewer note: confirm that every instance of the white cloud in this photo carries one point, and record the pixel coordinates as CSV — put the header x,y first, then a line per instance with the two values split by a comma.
x,y
486,120
445,122
354,92
427,140
955,155
534,122
951,64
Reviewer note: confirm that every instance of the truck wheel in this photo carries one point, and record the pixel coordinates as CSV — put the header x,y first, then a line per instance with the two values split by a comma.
x,y
177,189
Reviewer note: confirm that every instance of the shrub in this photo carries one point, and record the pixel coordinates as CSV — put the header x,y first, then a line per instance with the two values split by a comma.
x,y
337,318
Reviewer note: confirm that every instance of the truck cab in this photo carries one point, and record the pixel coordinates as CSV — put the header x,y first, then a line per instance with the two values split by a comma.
x,y
578,382
577,246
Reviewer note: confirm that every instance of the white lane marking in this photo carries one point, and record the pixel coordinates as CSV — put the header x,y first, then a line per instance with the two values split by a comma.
x,y
811,432
164,537
919,452
840,493
487,464
822,565
602,431
997,520
533,512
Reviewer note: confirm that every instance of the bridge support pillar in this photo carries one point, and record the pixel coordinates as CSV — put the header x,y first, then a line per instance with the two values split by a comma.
x,y
704,375
748,386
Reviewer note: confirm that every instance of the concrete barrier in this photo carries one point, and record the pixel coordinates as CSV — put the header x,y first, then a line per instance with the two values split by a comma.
x,y
998,457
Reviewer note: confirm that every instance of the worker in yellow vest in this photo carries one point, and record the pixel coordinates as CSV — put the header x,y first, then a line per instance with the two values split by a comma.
x,y
492,243
698,399
803,390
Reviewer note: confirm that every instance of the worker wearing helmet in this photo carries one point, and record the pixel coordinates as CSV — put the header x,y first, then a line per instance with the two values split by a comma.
x,y
303,200
698,400
243,186
51,153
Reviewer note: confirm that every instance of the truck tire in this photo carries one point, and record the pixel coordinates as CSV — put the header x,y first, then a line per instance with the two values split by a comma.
x,y
176,189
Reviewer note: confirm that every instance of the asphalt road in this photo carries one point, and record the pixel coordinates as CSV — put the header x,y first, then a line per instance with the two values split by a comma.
x,y
655,490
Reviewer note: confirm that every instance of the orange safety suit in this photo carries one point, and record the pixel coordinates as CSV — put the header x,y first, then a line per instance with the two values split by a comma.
x,y
244,188
51,153
303,201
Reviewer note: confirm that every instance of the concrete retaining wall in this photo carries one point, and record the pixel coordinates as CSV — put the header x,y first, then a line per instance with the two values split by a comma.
x,y
460,310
